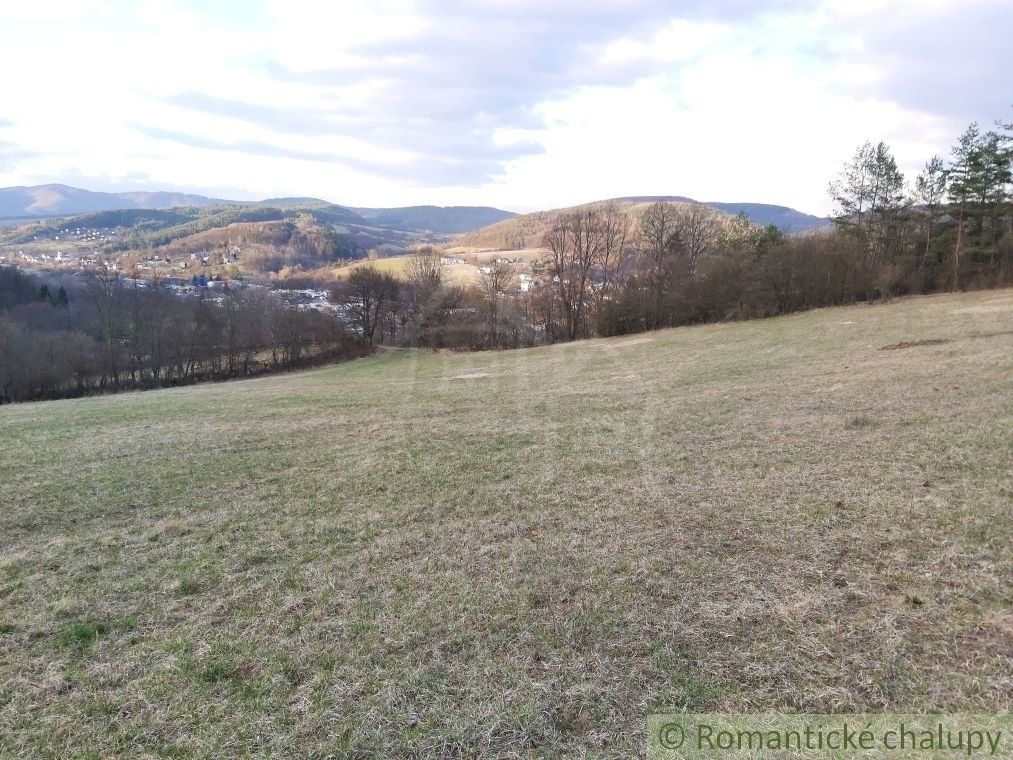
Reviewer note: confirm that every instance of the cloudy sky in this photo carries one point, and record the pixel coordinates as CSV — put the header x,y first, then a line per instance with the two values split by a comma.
x,y
521,104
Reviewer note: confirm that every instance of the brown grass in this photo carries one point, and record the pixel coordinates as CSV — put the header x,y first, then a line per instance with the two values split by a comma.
x,y
383,558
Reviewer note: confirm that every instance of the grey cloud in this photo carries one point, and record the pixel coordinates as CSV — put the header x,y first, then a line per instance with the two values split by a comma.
x,y
949,61
298,121
378,126
252,147
441,94
424,171
11,155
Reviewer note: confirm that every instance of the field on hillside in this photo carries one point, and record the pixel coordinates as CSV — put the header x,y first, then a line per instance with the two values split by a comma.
x,y
458,274
487,256
518,553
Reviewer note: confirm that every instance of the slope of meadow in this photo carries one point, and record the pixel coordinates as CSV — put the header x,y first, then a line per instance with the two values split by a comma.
x,y
457,274
517,553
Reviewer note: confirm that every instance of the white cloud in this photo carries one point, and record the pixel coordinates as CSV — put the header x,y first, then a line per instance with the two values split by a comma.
x,y
409,102
678,40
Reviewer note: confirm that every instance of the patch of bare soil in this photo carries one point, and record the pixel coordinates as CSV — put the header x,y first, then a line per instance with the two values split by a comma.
x,y
620,343
914,343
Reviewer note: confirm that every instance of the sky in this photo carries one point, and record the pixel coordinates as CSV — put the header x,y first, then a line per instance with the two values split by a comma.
x,y
519,104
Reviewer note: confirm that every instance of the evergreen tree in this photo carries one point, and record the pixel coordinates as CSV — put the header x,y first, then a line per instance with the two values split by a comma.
x,y
963,177
994,184
852,189
929,192
869,196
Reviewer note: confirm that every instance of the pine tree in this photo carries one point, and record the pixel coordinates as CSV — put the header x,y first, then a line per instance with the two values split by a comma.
x,y
963,177
930,191
851,191
993,186
869,195
887,198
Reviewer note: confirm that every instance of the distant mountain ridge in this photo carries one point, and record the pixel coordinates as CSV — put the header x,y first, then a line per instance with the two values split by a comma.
x,y
62,200
58,200
528,230
764,214
445,219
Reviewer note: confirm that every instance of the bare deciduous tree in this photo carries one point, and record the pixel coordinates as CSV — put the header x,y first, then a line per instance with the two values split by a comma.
x,y
425,270
575,242
493,284
612,252
367,293
698,228
661,249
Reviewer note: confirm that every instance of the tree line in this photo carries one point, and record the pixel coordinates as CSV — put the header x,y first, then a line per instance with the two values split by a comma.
x,y
612,269
425,309
102,333
608,269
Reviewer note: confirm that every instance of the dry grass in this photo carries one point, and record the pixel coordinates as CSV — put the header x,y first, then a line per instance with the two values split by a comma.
x,y
457,274
518,553
487,256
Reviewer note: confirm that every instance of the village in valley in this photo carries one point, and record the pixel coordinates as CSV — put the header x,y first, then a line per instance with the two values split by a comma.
x,y
212,271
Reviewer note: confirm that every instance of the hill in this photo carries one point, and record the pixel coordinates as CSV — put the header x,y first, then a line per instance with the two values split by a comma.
x,y
315,233
297,232
527,230
446,219
762,214
787,219
41,201
57,200
517,553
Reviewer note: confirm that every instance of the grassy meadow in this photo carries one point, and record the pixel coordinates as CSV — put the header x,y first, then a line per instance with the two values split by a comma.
x,y
518,553
457,274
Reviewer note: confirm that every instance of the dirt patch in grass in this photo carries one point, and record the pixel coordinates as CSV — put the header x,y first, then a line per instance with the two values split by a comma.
x,y
914,344
620,343
471,376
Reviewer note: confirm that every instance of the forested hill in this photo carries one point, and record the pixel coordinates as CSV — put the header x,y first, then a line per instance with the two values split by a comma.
x,y
784,218
445,219
40,201
527,230
56,200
